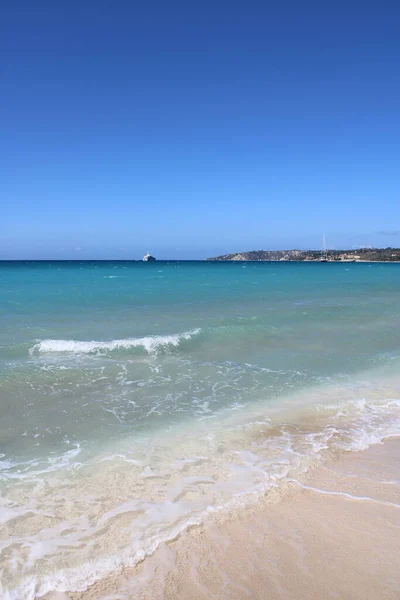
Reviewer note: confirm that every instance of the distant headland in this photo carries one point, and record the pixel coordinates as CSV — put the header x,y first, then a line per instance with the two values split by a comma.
x,y
359,255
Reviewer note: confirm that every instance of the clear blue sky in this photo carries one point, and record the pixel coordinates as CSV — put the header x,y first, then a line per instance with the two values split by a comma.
x,y
197,128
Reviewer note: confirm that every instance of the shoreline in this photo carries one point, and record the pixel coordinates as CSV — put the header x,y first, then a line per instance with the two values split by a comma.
x,y
336,262
143,510
331,533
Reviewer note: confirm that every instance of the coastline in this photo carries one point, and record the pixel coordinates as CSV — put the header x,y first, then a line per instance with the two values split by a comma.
x,y
387,254
331,533
336,262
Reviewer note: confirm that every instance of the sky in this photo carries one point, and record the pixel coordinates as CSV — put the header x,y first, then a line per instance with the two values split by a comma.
x,y
193,129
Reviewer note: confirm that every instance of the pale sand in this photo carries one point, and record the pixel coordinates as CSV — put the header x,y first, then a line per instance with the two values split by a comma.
x,y
334,535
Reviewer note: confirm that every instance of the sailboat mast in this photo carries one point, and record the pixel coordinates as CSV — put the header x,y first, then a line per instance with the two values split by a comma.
x,y
324,255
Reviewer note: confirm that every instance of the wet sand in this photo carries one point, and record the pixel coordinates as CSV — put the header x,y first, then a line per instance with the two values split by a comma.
x,y
334,534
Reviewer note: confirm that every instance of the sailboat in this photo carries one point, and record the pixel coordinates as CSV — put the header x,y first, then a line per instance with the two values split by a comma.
x,y
324,255
148,257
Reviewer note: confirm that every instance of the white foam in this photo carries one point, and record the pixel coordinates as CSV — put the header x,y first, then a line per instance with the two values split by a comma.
x,y
35,469
197,475
9,513
151,344
344,494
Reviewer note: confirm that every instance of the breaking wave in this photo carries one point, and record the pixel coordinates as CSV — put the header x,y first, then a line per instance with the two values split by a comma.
x,y
151,344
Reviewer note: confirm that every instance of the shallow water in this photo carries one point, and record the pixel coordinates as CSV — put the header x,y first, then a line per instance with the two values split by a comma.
x,y
136,398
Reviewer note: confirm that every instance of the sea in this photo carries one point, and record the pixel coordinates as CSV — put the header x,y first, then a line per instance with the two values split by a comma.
x,y
138,398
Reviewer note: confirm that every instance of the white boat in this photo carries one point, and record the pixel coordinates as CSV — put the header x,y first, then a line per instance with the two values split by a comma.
x,y
148,257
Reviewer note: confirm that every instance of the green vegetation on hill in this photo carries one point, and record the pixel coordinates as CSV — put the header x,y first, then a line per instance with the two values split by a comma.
x,y
361,254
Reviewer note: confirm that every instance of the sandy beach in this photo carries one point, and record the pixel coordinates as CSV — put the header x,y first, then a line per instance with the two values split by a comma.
x,y
332,534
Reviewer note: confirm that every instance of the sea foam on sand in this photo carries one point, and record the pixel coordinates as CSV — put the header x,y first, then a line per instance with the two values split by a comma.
x,y
332,534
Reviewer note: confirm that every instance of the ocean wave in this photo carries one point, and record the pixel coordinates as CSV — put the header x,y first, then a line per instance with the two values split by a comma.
x,y
360,423
258,458
151,344
35,469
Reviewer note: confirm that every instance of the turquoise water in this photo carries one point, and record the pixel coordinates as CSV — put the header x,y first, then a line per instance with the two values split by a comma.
x,y
137,397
